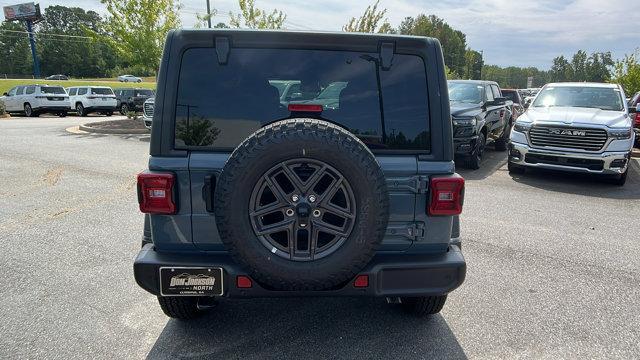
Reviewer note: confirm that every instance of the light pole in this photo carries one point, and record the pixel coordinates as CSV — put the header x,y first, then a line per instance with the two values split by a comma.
x,y
209,14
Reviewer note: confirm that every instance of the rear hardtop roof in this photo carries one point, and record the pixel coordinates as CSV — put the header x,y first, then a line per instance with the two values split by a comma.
x,y
298,39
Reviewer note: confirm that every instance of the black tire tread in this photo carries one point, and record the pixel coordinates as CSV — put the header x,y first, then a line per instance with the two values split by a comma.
x,y
183,308
424,306
283,131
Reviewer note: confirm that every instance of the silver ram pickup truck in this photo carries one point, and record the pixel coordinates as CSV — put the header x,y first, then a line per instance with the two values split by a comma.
x,y
579,127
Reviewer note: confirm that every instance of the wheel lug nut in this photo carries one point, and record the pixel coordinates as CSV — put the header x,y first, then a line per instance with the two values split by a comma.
x,y
295,198
289,212
312,198
316,213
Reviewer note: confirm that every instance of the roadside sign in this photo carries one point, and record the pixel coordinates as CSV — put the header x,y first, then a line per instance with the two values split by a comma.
x,y
529,82
23,11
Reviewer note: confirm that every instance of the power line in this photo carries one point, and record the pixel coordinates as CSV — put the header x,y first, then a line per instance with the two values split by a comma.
x,y
48,34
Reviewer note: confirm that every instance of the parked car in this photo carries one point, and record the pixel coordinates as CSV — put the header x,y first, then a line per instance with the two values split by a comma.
x,y
131,99
579,127
248,198
57,77
129,78
481,116
518,103
147,112
33,100
634,112
90,99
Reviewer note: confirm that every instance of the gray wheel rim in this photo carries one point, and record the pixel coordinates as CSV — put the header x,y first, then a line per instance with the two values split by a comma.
x,y
302,209
27,110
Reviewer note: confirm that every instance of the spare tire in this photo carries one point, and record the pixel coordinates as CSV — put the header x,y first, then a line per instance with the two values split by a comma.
x,y
302,204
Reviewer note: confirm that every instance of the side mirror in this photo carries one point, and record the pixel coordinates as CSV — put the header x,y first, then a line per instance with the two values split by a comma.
x,y
500,101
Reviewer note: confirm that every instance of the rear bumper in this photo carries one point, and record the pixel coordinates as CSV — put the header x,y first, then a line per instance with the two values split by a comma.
x,y
101,108
45,108
390,275
608,162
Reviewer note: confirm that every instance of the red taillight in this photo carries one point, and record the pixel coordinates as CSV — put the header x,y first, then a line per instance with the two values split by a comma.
x,y
243,282
305,108
155,193
446,195
361,281
637,122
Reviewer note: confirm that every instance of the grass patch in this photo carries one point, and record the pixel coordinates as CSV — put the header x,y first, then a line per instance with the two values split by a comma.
x,y
6,85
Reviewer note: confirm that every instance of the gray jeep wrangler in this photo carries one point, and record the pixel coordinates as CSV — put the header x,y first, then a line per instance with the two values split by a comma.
x,y
300,164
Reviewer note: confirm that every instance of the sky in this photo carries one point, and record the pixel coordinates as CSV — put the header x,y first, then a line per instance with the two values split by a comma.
x,y
509,32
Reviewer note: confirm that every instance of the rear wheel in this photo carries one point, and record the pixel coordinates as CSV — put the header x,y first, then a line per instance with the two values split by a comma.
x,y
28,110
80,110
424,305
124,109
473,161
109,113
183,308
62,114
501,143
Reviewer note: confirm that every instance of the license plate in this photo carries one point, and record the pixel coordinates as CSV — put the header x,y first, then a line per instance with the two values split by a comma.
x,y
191,281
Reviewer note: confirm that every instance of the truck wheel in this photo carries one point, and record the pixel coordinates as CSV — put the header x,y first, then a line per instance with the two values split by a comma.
x,y
621,179
473,161
501,143
183,308
124,109
514,168
302,204
423,306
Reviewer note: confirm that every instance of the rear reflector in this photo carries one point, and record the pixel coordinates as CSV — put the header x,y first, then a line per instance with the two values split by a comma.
x,y
637,122
305,108
446,196
361,281
243,282
155,193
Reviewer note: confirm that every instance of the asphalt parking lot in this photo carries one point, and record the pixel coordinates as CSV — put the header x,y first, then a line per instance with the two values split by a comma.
x,y
553,269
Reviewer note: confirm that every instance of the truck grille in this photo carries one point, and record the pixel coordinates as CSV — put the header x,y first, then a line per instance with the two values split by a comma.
x,y
568,137
148,110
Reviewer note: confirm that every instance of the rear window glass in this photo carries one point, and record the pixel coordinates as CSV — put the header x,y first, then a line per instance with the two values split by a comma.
x,y
511,95
101,91
144,93
220,107
52,90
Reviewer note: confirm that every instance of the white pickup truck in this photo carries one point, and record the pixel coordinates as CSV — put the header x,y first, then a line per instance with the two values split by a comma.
x,y
580,127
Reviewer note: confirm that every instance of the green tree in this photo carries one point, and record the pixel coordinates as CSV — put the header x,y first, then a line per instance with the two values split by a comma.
x,y
371,21
473,64
454,42
598,66
254,18
579,66
138,28
65,48
15,55
561,70
627,73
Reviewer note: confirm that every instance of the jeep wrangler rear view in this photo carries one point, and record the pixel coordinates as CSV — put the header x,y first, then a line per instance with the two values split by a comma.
x,y
300,164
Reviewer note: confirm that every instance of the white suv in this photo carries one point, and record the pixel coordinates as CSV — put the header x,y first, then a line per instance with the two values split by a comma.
x,y
33,100
88,99
147,112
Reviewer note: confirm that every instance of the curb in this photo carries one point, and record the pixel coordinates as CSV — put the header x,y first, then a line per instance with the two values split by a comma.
x,y
87,127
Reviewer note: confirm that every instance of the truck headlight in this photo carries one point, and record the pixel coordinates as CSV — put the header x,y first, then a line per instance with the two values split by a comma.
x,y
521,127
620,134
464,121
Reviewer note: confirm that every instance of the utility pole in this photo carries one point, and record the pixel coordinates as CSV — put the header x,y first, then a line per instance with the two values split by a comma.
x,y
32,42
481,62
209,14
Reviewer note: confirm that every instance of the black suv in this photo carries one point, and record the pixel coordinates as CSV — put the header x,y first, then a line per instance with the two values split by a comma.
x,y
131,99
346,188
